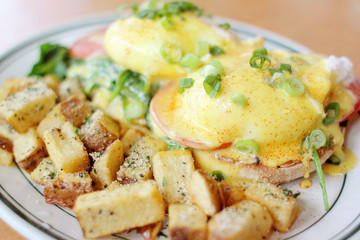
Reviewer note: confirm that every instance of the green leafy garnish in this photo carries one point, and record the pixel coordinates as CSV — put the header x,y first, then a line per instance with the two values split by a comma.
x,y
54,59
217,175
216,50
320,175
225,26
172,145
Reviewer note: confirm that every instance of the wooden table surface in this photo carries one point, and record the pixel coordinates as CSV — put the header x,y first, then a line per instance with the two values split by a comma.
x,y
325,26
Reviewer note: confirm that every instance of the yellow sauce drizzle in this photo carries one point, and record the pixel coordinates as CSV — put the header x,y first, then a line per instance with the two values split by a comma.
x,y
344,167
305,183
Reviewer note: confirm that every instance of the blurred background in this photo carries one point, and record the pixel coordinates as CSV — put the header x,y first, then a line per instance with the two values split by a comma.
x,y
325,26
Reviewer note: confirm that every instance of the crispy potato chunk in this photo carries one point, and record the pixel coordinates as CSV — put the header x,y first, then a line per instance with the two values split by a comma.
x,y
7,133
137,166
54,119
6,158
283,209
45,172
14,85
29,150
187,222
129,139
115,210
70,88
64,190
204,192
75,110
106,166
99,132
231,194
65,149
151,231
28,107
172,169
244,220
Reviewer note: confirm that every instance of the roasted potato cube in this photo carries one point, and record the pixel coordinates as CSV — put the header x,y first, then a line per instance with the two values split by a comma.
x,y
6,158
151,231
70,88
7,133
54,119
29,150
14,85
129,139
187,222
172,169
231,194
45,172
115,210
204,192
75,110
28,107
116,111
137,166
282,208
66,150
244,220
99,132
64,190
51,81
106,165
101,98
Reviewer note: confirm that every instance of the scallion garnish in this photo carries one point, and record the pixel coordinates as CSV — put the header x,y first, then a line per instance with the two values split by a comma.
x,y
293,87
299,61
239,99
261,51
203,48
191,62
258,61
317,138
120,83
218,65
212,84
172,145
277,80
134,109
225,26
216,50
217,175
320,175
185,83
166,23
171,52
274,70
285,67
305,145
332,111
209,69
247,146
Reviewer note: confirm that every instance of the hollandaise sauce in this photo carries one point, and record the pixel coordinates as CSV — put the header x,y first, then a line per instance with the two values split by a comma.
x,y
345,166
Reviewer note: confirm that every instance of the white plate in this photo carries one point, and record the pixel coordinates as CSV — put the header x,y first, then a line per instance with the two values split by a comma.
x,y
22,203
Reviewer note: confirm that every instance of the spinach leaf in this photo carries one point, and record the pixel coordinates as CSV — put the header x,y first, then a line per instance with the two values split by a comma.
x,y
54,59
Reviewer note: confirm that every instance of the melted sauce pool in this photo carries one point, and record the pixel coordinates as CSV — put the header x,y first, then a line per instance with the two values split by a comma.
x,y
344,167
305,183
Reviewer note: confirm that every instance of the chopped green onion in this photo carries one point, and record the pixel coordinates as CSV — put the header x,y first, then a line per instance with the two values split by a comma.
x,y
166,23
191,62
171,52
185,83
334,160
212,84
219,66
135,109
152,4
285,67
317,138
216,50
239,99
217,175
332,111
277,84
305,145
261,51
328,142
299,61
172,145
320,175
247,146
209,69
254,61
164,182
225,26
274,70
203,48
120,83
89,87
294,87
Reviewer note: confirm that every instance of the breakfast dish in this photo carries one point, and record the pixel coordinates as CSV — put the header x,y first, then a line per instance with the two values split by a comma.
x,y
165,112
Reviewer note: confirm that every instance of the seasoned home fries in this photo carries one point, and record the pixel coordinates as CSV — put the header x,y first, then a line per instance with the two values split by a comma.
x,y
167,115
